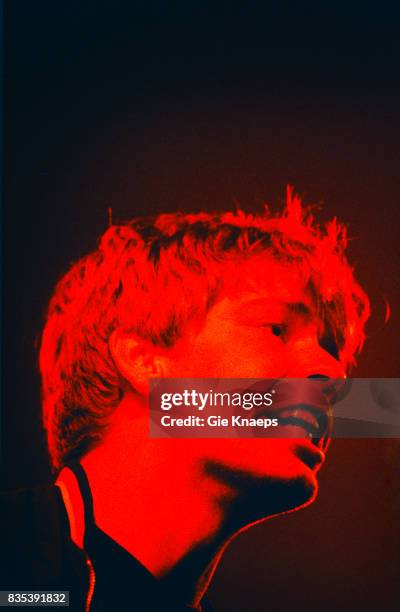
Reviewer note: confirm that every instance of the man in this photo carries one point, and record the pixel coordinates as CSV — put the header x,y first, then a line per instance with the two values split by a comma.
x,y
139,523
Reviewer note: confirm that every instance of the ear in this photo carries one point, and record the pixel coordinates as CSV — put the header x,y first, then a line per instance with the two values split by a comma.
x,y
136,359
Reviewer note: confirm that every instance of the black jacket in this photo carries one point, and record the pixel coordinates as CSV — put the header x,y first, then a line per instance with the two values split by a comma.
x,y
37,553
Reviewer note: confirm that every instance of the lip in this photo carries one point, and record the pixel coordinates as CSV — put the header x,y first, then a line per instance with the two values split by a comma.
x,y
311,455
314,421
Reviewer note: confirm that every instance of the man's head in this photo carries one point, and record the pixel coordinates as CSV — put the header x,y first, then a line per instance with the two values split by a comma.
x,y
197,295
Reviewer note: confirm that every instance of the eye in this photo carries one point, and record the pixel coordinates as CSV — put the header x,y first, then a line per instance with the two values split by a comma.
x,y
277,329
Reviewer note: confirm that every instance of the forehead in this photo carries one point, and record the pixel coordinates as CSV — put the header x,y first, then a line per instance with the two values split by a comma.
x,y
265,276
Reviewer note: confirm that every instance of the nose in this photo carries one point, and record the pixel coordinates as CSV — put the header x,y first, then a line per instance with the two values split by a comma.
x,y
310,360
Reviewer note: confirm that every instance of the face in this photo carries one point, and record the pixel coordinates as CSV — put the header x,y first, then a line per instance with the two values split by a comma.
x,y
264,326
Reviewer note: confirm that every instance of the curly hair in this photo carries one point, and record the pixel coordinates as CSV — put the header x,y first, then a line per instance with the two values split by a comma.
x,y
132,281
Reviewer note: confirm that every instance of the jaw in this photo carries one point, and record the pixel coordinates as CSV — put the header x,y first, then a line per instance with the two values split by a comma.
x,y
257,497
260,459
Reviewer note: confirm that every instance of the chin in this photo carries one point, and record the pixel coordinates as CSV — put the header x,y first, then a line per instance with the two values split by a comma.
x,y
271,484
278,459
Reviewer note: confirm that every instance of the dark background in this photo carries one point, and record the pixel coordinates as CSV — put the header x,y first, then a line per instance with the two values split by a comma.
x,y
157,106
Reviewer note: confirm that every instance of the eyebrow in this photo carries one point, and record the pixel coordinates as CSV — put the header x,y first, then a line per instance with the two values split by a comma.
x,y
259,305
299,308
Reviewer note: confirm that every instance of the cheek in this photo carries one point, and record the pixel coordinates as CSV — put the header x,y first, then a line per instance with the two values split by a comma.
x,y
251,355
229,351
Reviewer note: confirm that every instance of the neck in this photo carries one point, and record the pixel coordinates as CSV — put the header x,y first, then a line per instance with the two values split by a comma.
x,y
164,510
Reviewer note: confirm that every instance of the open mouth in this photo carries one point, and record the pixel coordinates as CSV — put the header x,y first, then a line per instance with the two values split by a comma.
x,y
315,422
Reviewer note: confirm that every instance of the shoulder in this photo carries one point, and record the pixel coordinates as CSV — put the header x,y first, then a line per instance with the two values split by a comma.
x,y
25,512
36,550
